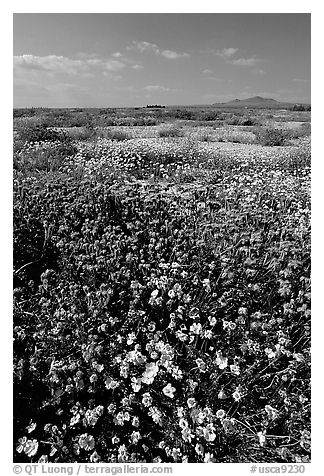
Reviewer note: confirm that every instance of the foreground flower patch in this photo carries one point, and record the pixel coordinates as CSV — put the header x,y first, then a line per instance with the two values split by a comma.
x,y
163,316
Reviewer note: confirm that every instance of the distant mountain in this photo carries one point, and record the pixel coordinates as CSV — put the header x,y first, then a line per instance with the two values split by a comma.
x,y
255,101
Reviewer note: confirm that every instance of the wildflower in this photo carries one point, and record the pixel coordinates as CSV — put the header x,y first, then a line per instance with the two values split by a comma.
x,y
126,416
272,412
197,416
75,419
86,442
183,423
235,369
111,383
31,448
242,311
111,408
150,372
181,336
119,419
212,320
209,458
115,440
187,434
208,334
192,385
135,421
209,432
94,457
155,414
168,390
43,459
221,361
171,294
136,384
22,444
201,365
220,414
195,328
236,395
135,437
130,338
269,352
31,427
122,454
191,402
199,449
206,284
146,400
232,325
176,372
262,437
151,326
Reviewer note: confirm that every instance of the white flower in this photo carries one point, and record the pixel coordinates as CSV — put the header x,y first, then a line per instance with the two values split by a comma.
x,y
147,400
209,433
262,438
201,365
220,414
31,448
272,412
191,402
168,390
235,369
221,361
196,328
236,395
150,372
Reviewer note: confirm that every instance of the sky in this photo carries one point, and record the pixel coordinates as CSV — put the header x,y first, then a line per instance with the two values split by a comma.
x,y
134,59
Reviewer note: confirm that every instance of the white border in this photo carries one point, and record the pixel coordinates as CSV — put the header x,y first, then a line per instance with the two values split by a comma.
x,y
94,6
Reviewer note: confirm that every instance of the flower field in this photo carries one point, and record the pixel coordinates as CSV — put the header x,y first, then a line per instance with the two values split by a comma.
x,y
161,301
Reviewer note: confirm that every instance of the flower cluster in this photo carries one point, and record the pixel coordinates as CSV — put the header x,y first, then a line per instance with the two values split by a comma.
x,y
163,320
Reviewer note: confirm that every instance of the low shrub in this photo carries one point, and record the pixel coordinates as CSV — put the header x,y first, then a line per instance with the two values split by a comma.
x,y
271,137
302,131
115,134
170,131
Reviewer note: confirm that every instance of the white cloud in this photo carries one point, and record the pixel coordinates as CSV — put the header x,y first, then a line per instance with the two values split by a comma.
x,y
143,46
50,63
137,66
173,54
226,52
113,65
156,87
117,55
215,78
260,72
53,65
146,46
245,61
207,71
